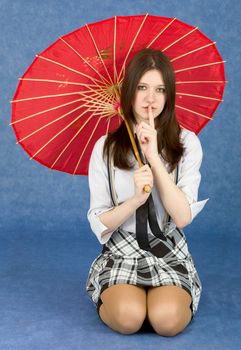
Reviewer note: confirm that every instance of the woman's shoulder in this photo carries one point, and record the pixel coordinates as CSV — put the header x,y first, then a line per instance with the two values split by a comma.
x,y
99,144
189,139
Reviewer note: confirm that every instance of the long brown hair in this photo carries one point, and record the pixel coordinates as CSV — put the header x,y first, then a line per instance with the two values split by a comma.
x,y
168,129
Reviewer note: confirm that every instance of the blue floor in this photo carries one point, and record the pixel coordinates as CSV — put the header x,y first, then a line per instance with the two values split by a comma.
x,y
44,305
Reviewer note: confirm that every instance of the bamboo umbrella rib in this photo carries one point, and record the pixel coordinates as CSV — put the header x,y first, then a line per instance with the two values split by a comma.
x,y
95,106
58,95
193,51
189,110
98,52
200,66
100,93
44,111
199,96
44,96
133,42
96,96
94,102
60,132
104,105
72,139
90,65
87,143
71,69
57,82
107,129
114,51
179,39
48,124
108,126
162,31
201,81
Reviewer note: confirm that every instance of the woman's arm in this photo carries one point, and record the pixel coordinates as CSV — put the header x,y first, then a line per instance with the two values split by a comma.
x,y
118,215
172,197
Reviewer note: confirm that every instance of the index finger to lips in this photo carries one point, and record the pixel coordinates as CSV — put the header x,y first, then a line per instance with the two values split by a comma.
x,y
151,117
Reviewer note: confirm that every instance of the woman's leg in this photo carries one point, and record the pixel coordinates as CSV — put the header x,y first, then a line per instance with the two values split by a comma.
x,y
123,308
168,309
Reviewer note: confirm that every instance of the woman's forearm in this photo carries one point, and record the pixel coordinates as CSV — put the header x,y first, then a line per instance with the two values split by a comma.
x,y
171,196
118,215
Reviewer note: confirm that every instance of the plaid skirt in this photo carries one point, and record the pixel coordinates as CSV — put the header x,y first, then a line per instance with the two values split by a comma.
x,y
167,263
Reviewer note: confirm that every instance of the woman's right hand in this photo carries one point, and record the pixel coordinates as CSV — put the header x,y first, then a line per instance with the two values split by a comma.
x,y
142,176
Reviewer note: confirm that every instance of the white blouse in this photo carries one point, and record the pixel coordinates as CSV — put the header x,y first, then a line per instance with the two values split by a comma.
x,y
189,178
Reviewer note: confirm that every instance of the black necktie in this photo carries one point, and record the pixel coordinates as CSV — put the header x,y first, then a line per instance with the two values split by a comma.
x,y
144,213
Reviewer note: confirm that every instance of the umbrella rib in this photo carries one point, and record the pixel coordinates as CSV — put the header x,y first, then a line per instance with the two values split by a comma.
x,y
101,93
200,66
50,123
98,52
94,101
114,50
45,96
72,139
179,39
44,111
53,108
90,65
87,143
162,31
56,81
201,81
60,132
199,96
132,44
189,110
58,95
81,156
71,69
190,52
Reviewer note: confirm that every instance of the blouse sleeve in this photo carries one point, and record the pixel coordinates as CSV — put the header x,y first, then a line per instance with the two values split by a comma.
x,y
189,176
100,200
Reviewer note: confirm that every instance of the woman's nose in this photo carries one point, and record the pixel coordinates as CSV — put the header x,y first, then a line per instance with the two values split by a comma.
x,y
150,96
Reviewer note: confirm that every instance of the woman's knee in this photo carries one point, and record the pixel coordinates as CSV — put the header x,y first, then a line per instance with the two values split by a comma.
x,y
169,320
129,317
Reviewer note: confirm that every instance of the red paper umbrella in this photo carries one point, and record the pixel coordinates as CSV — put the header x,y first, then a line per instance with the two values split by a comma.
x,y
68,97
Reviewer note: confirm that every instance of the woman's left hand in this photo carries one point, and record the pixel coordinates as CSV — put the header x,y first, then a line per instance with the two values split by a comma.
x,y
147,136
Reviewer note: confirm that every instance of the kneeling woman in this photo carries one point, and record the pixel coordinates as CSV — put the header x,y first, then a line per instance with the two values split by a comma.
x,y
145,269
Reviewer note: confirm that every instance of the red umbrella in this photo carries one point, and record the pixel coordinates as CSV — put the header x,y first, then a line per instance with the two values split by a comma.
x,y
69,95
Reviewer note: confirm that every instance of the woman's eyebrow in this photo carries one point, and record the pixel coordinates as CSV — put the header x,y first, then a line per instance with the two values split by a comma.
x,y
162,85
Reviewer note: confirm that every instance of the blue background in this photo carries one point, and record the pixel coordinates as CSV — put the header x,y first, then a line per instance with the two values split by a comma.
x,y
46,243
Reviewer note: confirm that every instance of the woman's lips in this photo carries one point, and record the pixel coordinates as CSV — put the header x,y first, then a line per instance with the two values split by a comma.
x,y
146,108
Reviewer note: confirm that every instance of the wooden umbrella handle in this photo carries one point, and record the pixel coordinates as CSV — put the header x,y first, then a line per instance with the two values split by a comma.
x,y
147,188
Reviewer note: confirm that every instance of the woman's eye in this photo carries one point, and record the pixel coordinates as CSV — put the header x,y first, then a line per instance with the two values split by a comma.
x,y
161,89
141,87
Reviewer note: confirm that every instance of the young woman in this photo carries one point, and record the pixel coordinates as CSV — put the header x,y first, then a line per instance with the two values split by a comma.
x,y
152,277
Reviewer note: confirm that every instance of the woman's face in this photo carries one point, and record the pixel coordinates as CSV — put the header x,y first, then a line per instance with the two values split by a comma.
x,y
150,92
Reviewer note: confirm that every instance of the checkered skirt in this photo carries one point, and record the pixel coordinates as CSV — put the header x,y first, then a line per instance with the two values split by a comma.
x,y
167,263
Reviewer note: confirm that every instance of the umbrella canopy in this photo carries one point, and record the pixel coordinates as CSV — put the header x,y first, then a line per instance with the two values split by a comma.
x,y
69,96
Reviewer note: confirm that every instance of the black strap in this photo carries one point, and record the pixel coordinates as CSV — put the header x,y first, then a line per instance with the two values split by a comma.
x,y
109,179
